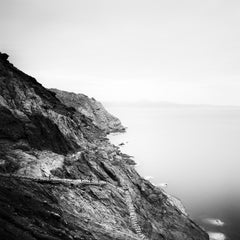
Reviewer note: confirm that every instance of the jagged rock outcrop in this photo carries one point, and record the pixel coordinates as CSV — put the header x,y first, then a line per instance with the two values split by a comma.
x,y
60,177
92,109
33,114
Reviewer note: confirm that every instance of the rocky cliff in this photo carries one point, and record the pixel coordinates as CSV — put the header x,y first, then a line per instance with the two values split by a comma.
x,y
60,177
92,109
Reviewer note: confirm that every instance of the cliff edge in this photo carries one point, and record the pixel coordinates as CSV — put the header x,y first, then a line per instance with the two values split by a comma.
x,y
60,177
91,109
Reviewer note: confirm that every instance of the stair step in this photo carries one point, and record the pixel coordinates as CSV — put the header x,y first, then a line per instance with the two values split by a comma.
x,y
133,215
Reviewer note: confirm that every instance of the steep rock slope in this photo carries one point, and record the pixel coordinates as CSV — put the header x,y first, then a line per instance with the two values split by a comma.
x,y
31,113
92,109
60,178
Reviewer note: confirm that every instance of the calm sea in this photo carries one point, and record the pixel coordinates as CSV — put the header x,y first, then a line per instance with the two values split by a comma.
x,y
196,151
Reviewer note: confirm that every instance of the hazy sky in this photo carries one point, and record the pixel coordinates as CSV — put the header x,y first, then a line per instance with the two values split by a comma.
x,y
185,51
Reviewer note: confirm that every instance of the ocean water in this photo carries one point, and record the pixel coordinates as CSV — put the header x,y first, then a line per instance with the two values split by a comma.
x,y
196,151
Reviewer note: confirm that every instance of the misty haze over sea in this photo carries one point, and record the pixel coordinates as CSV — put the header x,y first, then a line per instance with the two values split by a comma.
x,y
186,52
195,150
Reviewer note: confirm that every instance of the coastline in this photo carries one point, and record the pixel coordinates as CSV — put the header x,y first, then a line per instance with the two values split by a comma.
x,y
118,139
59,169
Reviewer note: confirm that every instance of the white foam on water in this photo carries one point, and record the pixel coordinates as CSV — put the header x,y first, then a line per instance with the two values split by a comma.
x,y
216,236
148,178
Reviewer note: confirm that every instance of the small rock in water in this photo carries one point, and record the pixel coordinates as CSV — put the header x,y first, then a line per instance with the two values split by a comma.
x,y
216,222
162,185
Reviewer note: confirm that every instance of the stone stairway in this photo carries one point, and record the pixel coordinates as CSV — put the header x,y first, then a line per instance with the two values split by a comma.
x,y
133,215
124,189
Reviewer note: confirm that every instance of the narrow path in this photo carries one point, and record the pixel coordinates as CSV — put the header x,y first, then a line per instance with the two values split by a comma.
x,y
133,215
55,180
124,189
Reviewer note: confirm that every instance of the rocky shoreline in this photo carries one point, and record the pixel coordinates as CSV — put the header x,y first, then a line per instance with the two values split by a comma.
x,y
49,138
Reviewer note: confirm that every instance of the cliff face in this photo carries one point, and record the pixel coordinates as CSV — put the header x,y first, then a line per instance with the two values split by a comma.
x,y
60,178
92,109
34,115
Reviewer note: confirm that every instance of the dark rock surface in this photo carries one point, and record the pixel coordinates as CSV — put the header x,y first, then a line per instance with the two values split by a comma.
x,y
42,137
